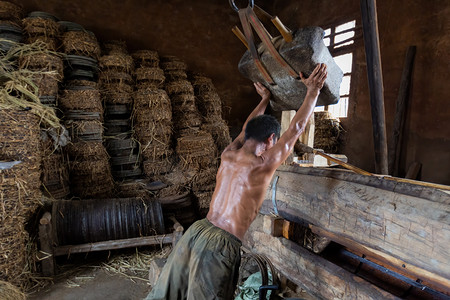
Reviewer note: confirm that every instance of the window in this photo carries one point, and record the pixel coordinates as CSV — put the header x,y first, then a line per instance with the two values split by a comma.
x,y
339,40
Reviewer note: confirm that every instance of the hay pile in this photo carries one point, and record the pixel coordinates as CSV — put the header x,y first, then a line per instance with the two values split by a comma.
x,y
327,132
43,27
115,79
20,193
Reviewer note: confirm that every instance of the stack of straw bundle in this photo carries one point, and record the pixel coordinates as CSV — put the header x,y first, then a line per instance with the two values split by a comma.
x,y
327,131
152,117
115,78
198,153
78,41
43,27
20,193
148,74
90,173
10,25
209,103
181,92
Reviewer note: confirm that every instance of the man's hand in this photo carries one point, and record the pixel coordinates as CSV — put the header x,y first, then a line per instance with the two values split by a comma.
x,y
315,81
261,90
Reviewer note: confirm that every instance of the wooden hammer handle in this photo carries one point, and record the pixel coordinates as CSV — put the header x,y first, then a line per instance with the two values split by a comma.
x,y
285,32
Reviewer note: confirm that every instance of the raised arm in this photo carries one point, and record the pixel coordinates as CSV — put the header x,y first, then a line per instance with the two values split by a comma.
x,y
258,110
275,156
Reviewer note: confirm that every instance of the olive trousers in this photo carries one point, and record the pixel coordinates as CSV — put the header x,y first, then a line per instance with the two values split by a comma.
x,y
203,265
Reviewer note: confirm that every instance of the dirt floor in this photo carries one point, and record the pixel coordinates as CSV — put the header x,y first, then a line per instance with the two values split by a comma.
x,y
94,284
118,276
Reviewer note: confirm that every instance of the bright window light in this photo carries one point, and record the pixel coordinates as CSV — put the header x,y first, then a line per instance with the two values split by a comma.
x,y
333,36
345,26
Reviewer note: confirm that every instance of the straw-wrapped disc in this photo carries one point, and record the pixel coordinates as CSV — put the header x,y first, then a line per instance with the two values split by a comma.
x,y
220,133
51,43
84,150
149,74
202,84
81,43
114,77
42,62
41,26
204,199
146,58
174,75
204,180
155,167
179,87
55,176
87,100
152,99
115,46
117,61
170,63
10,11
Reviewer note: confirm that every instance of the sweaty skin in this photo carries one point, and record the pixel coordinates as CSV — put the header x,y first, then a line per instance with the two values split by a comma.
x,y
248,166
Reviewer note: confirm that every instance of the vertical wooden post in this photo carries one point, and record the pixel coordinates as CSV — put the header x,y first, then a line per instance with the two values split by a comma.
x,y
375,77
46,242
401,107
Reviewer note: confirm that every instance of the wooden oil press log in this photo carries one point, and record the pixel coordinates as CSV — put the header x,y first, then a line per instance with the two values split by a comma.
x,y
79,226
403,222
316,275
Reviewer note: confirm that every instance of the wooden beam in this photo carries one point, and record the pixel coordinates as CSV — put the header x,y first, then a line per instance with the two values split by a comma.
x,y
115,244
414,228
375,77
395,148
313,273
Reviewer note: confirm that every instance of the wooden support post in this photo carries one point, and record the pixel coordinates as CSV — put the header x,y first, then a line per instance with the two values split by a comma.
x,y
395,148
375,77
46,242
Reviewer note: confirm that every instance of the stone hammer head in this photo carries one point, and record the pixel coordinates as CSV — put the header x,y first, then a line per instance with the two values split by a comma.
x,y
306,50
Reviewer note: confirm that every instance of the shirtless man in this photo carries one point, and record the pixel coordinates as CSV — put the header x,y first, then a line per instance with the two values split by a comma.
x,y
205,262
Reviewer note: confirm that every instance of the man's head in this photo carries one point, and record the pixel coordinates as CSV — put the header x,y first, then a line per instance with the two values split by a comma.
x,y
261,128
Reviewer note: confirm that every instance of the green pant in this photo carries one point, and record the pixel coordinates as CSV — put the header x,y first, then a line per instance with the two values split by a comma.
x,y
203,265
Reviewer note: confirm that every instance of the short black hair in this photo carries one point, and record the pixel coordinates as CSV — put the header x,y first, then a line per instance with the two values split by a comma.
x,y
261,127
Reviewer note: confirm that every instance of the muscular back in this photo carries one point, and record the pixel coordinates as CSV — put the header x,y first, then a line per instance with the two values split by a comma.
x,y
241,185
